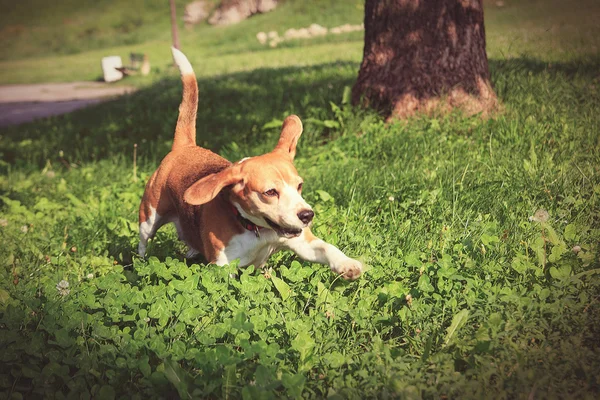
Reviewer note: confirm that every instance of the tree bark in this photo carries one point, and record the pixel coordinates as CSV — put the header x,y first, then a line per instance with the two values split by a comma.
x,y
424,55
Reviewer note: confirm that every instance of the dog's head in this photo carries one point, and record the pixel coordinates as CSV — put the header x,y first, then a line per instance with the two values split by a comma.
x,y
266,189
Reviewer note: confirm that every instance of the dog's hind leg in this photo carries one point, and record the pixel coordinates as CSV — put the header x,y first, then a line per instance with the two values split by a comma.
x,y
181,235
148,228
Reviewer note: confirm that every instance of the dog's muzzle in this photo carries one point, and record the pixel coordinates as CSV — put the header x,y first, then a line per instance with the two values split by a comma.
x,y
284,232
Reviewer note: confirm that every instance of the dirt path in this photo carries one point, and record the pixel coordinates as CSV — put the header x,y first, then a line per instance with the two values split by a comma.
x,y
24,103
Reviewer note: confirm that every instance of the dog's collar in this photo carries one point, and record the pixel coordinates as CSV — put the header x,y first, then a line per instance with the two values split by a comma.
x,y
247,224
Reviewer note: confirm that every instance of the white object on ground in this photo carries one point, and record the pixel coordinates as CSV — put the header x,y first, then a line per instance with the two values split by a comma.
x,y
108,68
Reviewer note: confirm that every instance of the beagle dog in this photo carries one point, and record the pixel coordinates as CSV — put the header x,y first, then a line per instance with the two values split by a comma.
x,y
225,211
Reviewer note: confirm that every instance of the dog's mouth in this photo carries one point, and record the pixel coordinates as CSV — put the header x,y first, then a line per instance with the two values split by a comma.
x,y
284,232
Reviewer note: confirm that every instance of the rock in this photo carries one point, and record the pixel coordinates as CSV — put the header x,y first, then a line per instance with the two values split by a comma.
x,y
314,30
265,6
290,33
195,12
261,37
346,28
275,41
274,38
317,30
233,11
302,33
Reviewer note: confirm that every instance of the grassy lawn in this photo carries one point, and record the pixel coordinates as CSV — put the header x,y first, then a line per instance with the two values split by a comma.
x,y
46,42
59,49
480,237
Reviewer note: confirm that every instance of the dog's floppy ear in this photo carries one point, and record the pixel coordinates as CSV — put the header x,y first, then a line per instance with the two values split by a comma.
x,y
209,187
290,133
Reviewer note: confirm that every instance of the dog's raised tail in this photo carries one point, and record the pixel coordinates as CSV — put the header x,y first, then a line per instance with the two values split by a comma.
x,y
185,132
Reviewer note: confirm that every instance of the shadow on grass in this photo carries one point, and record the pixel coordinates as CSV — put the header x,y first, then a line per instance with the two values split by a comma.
x,y
587,68
233,109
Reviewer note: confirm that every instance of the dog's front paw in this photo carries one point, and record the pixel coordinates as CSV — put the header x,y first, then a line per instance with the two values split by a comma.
x,y
349,269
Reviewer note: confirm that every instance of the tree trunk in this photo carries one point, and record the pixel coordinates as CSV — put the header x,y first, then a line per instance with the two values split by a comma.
x,y
424,56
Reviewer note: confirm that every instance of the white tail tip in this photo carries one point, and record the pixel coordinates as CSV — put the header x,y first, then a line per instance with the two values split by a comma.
x,y
182,62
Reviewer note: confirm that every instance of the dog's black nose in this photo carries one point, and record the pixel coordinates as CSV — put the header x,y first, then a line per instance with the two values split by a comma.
x,y
306,216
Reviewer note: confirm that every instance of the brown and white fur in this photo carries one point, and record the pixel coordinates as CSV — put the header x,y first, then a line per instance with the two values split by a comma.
x,y
196,190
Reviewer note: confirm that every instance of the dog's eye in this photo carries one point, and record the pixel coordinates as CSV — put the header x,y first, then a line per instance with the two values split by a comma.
x,y
300,187
271,193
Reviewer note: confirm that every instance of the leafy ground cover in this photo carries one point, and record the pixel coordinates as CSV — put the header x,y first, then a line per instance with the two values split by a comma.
x,y
481,239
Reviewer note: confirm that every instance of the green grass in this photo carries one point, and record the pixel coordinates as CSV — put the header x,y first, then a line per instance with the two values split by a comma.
x,y
33,28
35,50
46,42
465,296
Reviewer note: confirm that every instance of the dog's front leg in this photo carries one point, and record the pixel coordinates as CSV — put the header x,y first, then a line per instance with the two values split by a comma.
x,y
311,248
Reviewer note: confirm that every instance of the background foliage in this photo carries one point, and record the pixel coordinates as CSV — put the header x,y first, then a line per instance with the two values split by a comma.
x,y
481,237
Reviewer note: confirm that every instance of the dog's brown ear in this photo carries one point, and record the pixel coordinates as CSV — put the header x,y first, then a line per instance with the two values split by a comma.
x,y
290,133
210,186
